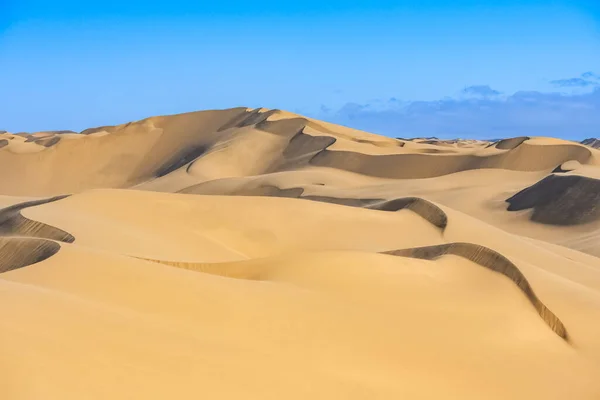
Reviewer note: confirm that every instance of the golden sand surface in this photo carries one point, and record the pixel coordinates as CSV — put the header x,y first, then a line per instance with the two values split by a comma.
x,y
259,254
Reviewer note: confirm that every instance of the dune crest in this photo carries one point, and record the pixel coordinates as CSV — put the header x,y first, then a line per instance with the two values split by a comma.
x,y
494,261
13,223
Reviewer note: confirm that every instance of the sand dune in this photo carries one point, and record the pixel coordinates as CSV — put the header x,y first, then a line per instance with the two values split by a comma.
x,y
560,200
255,253
592,142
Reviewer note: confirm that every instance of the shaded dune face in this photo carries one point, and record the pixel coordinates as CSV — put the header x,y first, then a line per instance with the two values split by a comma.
x,y
560,200
494,261
509,144
561,169
270,191
426,209
247,118
23,241
48,142
401,166
19,252
302,144
592,142
90,131
180,159
48,139
13,223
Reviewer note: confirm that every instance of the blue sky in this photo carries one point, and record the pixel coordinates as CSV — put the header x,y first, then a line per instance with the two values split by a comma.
x,y
395,67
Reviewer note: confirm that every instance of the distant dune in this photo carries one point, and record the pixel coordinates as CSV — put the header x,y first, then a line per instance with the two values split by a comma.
x,y
259,254
592,142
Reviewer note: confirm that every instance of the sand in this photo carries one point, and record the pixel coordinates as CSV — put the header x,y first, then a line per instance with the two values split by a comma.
x,y
259,254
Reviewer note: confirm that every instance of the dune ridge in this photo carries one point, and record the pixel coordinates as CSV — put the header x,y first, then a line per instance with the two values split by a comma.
x,y
510,144
422,207
13,223
520,158
494,261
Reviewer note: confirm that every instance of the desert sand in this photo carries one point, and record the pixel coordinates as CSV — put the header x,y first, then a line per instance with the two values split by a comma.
x,y
259,254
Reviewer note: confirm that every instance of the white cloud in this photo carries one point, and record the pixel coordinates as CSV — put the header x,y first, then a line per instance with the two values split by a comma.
x,y
486,115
